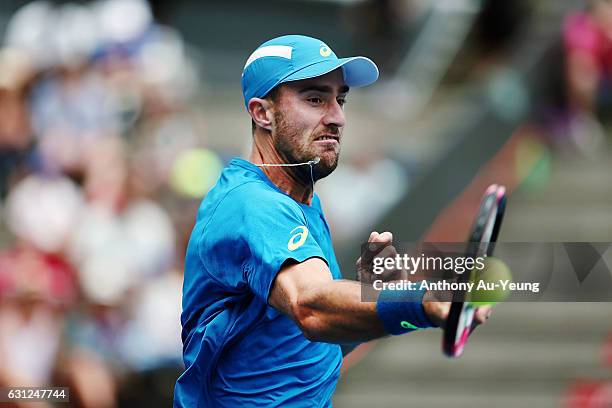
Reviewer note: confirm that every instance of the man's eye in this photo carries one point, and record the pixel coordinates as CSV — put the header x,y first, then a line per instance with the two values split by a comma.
x,y
341,101
315,100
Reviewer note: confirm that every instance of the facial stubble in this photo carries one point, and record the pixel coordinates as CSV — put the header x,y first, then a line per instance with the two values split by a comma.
x,y
288,142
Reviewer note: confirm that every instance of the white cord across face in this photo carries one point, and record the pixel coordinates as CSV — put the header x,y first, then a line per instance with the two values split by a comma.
x,y
309,163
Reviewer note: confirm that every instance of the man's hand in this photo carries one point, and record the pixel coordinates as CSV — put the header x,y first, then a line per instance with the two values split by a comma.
x,y
379,246
437,311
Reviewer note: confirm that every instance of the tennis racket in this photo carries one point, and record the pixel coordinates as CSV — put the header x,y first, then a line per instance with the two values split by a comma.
x,y
481,242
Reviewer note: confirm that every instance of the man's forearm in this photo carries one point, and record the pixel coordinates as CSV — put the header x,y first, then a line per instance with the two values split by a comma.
x,y
334,312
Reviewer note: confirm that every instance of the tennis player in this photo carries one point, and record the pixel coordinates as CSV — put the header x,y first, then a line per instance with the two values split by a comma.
x,y
265,311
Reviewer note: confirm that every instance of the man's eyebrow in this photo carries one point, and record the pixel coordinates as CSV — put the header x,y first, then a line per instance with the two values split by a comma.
x,y
324,89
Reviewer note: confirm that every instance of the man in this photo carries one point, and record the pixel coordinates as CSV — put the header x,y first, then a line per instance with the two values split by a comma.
x,y
264,307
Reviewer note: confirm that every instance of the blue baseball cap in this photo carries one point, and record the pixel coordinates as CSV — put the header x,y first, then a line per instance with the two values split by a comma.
x,y
295,57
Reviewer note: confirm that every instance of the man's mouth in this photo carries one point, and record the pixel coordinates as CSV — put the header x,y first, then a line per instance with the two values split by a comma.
x,y
328,139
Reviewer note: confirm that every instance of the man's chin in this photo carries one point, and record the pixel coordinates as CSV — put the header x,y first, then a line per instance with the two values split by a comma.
x,y
326,166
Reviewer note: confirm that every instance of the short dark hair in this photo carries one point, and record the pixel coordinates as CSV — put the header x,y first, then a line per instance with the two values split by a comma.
x,y
273,96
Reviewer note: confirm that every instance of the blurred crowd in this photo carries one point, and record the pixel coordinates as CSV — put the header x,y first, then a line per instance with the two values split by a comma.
x,y
102,165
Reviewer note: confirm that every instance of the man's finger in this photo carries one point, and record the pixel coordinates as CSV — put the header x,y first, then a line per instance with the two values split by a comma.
x,y
384,237
387,252
376,243
482,314
436,311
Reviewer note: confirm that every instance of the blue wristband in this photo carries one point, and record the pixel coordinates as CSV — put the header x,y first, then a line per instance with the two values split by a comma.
x,y
401,311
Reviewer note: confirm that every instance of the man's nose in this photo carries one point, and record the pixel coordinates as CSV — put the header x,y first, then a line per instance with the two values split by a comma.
x,y
334,116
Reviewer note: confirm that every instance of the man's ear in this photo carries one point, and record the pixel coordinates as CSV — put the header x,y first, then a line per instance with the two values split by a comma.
x,y
261,112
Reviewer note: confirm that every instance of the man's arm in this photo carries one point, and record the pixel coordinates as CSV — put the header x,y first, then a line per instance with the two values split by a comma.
x,y
332,311
325,309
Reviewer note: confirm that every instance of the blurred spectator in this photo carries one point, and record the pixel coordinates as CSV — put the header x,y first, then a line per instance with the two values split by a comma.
x,y
114,251
151,345
153,334
15,137
70,110
35,288
588,43
43,211
91,365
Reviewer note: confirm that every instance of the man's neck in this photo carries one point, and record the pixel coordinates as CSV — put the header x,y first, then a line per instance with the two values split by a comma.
x,y
287,179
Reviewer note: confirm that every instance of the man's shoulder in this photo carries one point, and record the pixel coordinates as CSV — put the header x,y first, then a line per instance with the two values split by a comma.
x,y
255,195
245,194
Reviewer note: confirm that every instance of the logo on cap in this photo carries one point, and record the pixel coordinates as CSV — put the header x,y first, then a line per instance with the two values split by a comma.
x,y
325,51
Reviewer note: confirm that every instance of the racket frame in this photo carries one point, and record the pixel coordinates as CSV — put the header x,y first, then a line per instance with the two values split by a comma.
x,y
481,242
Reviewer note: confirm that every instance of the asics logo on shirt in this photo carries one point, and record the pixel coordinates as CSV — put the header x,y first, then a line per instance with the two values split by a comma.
x,y
298,238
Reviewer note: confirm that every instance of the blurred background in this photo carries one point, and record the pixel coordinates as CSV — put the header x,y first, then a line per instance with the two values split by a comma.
x,y
116,117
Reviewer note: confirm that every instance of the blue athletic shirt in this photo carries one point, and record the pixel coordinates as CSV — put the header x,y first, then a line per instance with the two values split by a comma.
x,y
238,350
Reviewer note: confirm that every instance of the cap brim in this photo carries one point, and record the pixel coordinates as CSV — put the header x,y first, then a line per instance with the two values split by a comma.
x,y
358,71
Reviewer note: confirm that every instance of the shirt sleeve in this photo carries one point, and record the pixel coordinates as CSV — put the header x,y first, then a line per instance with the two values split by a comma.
x,y
254,232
